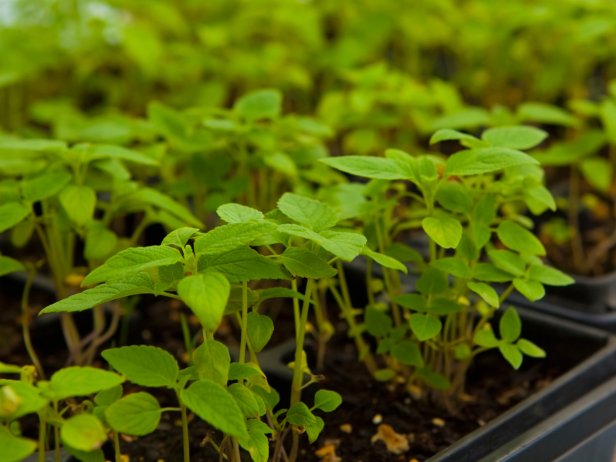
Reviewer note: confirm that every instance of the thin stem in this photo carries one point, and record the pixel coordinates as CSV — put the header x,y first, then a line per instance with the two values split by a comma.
x,y
116,446
574,211
244,323
42,437
185,436
25,324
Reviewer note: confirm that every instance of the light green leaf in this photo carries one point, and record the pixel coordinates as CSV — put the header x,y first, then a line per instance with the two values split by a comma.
x,y
242,264
486,292
14,448
231,236
100,242
300,415
327,400
505,261
212,361
12,213
83,432
532,290
45,185
510,325
453,265
447,134
245,399
345,245
512,354
486,160
407,352
545,114
144,365
514,137
206,295
530,349
608,119
425,326
470,117
314,430
216,406
260,104
81,381
238,213
10,265
309,212
445,231
377,322
303,263
520,239
110,151
485,338
157,199
257,443
369,167
384,260
598,172
260,330
454,197
179,237
79,203
23,399
136,414
549,276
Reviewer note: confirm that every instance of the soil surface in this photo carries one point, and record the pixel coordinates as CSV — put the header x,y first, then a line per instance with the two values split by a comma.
x,y
371,415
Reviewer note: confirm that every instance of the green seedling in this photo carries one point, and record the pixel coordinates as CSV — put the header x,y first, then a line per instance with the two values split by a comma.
x,y
63,419
471,208
62,196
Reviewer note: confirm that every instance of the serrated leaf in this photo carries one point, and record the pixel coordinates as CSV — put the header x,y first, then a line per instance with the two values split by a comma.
x,y
486,160
137,414
425,326
212,361
345,245
514,137
510,325
79,202
12,213
238,213
144,365
81,381
206,295
303,263
257,443
179,237
486,292
369,167
260,330
245,399
231,236
216,406
327,400
445,231
520,239
306,211
242,264
83,432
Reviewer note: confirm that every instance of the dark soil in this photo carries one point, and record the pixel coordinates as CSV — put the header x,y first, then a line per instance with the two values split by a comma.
x,y
492,388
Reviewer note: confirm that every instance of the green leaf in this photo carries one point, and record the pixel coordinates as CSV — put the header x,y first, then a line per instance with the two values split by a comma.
x,y
469,117
306,211
512,354
327,400
260,104
133,260
598,172
454,197
81,381
345,245
384,260
242,264
425,326
486,160
86,456
509,325
10,265
260,330
408,353
453,265
485,338
245,399
238,213
303,263
212,361
257,443
432,281
530,349
608,119
377,322
514,137
532,290
12,213
21,398
507,261
137,285
110,151
300,415
433,379
216,406
490,273
206,295
136,414
545,114
79,203
549,276
180,237
109,396
144,365
100,242
14,448
369,167
45,185
486,292
520,239
83,432
447,134
231,236
445,231
314,430
39,145
154,198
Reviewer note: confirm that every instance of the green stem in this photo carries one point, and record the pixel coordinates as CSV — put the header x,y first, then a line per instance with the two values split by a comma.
x,y
25,324
116,446
185,435
244,321
42,437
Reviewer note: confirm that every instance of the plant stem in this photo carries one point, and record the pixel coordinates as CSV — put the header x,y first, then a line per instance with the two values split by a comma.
x,y
25,324
185,436
116,447
42,437
574,219
244,321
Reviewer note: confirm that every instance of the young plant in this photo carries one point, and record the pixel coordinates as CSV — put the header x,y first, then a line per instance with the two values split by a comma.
x,y
471,208
61,196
